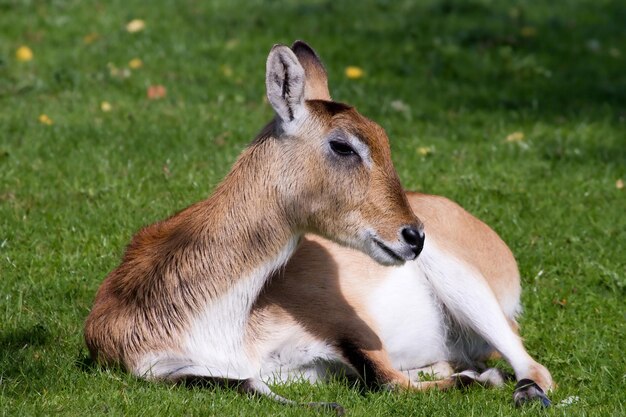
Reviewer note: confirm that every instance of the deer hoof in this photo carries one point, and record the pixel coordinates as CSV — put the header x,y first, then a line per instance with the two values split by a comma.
x,y
527,390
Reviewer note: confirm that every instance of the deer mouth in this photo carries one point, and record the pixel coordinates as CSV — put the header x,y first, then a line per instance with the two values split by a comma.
x,y
388,251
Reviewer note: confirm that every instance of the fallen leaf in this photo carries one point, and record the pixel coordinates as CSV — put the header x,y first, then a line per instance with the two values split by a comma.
x,y
619,184
156,92
227,71
135,63
515,137
24,54
117,72
135,25
113,71
400,106
90,38
106,107
425,150
353,72
528,32
220,140
232,43
44,119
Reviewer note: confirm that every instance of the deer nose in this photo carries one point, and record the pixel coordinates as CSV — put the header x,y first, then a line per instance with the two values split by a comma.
x,y
415,238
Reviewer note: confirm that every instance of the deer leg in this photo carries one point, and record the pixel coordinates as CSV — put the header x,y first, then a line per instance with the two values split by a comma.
x,y
438,370
488,377
254,386
471,302
527,390
377,372
491,377
192,374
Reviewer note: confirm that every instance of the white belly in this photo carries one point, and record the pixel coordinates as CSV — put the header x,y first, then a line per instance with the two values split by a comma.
x,y
409,318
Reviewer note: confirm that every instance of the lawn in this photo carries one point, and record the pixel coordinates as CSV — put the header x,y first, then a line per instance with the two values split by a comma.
x,y
516,110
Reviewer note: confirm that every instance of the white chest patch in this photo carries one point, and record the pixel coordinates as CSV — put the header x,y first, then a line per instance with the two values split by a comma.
x,y
214,344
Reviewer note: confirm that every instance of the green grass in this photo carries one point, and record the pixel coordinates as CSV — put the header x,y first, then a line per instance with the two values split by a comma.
x,y
455,77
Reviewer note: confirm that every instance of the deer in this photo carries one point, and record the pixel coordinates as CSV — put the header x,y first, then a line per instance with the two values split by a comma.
x,y
179,305
333,311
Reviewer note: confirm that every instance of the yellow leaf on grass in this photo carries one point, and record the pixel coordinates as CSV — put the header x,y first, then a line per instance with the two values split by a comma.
x,y
44,119
121,73
515,137
353,72
135,25
528,32
231,43
24,53
425,150
106,107
90,38
135,63
227,71
619,184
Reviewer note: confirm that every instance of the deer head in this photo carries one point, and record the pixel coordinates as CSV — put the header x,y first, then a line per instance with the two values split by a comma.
x,y
336,174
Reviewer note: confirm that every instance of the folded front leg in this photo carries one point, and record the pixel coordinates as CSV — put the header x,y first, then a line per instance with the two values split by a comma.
x,y
437,370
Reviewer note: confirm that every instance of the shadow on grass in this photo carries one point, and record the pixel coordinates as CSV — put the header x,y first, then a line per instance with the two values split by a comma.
x,y
36,335
19,354
85,363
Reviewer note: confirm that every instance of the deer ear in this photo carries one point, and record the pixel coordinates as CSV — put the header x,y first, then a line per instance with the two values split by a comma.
x,y
316,85
284,80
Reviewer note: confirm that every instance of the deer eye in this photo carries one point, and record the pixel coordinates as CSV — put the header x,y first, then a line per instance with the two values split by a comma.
x,y
341,148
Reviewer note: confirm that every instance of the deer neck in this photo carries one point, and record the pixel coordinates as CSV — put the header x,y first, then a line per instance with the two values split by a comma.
x,y
243,229
249,236
199,272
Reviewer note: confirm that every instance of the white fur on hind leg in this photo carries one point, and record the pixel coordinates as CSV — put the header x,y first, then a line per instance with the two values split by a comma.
x,y
471,302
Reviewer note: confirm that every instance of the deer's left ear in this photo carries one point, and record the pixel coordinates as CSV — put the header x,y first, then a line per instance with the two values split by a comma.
x,y
284,81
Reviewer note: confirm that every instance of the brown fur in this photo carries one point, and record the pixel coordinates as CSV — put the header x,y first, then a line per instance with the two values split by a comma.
x,y
316,86
280,187
470,240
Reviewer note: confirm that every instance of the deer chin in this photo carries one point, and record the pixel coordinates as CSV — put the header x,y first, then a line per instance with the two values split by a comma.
x,y
387,253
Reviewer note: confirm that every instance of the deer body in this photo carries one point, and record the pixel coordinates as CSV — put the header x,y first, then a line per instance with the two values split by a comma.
x,y
450,309
191,298
179,304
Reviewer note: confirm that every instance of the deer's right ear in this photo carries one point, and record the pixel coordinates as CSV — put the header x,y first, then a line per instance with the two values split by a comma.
x,y
316,87
285,80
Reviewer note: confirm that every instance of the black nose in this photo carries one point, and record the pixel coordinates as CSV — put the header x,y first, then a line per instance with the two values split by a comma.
x,y
415,238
